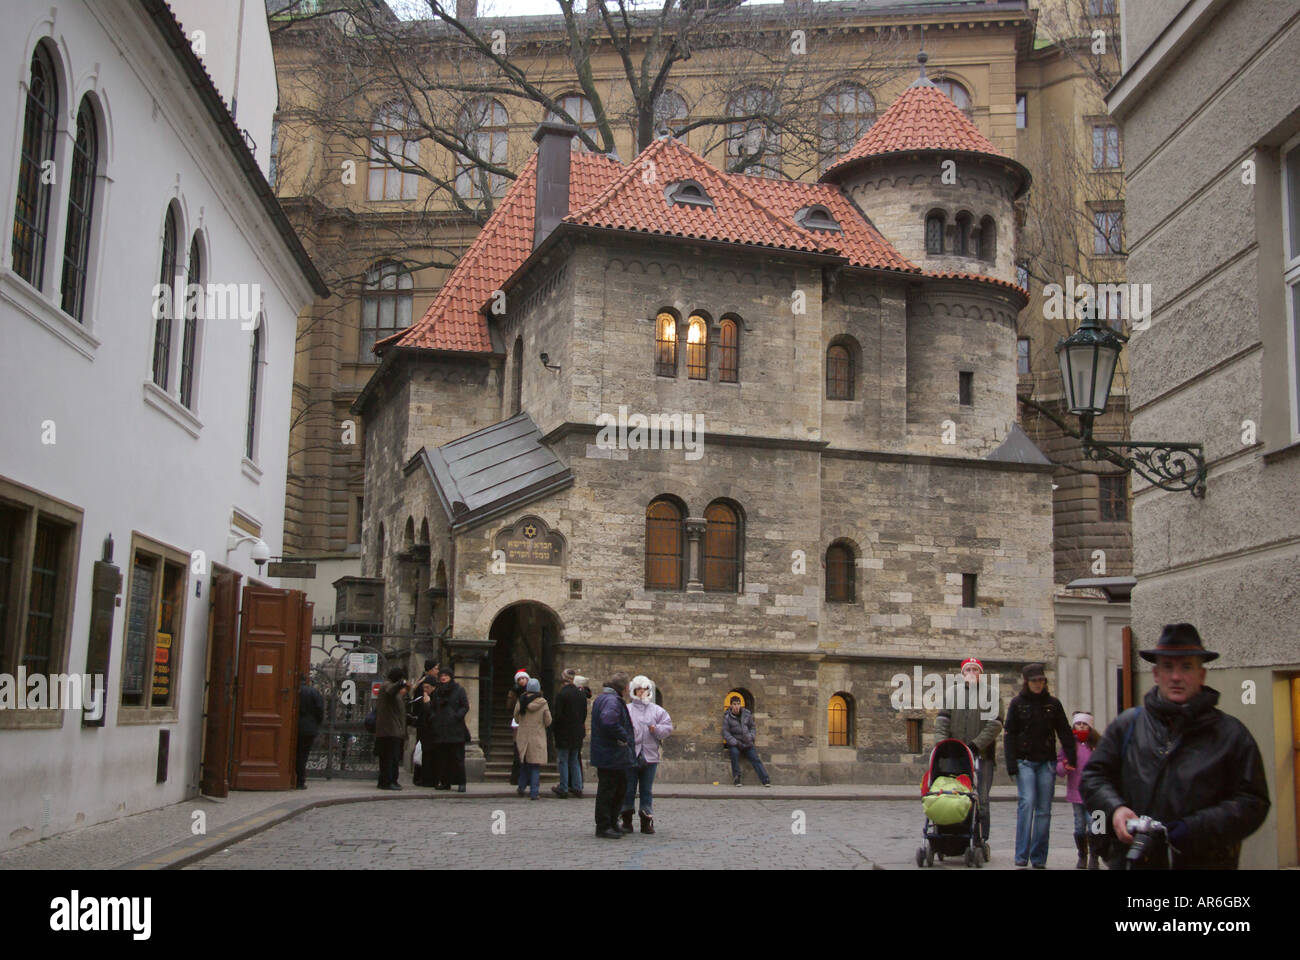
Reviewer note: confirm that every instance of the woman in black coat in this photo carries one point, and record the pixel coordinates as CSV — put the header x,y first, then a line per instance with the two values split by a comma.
x,y
1035,722
450,707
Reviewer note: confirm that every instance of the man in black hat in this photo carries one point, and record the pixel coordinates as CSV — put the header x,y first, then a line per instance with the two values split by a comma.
x,y
1182,761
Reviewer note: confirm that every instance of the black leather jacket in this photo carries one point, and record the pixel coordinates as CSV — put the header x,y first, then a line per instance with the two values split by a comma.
x,y
1035,722
1189,762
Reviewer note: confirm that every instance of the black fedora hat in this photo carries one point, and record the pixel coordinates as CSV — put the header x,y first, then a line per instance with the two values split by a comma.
x,y
1179,640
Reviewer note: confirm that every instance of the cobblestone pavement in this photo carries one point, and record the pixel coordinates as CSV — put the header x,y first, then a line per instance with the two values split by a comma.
x,y
690,833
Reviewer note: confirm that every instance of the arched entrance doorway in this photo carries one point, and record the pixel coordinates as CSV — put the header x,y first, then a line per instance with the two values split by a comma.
x,y
523,635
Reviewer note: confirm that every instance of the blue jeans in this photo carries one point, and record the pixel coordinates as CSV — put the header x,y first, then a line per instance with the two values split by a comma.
x,y
1081,820
530,776
750,754
569,761
642,776
1035,781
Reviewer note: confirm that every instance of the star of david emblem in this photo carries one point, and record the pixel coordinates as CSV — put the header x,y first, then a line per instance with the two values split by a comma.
x,y
530,531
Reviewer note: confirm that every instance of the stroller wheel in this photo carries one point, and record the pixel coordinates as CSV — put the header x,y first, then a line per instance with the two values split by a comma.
x,y
969,857
929,858
920,856
987,853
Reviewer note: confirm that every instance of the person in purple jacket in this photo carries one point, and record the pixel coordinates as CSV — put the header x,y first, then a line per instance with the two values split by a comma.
x,y
651,725
1091,846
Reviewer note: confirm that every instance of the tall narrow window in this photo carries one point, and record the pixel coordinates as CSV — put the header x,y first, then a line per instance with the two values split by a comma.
x,y
934,225
517,379
1112,498
1022,356
1105,146
165,305
721,548
729,352
81,205
394,143
961,239
846,114
254,378
484,129
385,306
1291,272
155,624
839,574
1022,111
839,373
988,250
666,345
379,552
1108,233
697,349
189,344
663,546
32,209
839,721
968,595
966,388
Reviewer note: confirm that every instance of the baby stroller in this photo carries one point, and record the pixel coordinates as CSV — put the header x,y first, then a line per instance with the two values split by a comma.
x,y
951,803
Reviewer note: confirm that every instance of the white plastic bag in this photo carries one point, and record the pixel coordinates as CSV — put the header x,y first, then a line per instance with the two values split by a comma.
x,y
419,753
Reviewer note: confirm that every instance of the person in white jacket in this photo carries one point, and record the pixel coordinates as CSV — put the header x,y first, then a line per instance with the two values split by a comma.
x,y
652,726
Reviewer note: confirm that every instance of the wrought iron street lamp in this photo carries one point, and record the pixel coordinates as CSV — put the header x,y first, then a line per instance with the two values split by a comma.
x,y
1088,359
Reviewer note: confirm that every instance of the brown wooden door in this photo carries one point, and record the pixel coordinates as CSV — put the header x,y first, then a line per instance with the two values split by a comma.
x,y
1295,753
223,598
266,710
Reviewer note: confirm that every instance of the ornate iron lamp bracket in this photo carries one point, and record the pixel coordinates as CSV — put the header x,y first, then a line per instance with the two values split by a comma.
x,y
1170,466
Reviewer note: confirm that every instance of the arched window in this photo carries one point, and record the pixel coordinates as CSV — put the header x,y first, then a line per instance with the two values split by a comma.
x,y
840,580
408,537
729,351
670,113
193,308
663,546
722,548
988,240
839,721
697,348
846,114
961,239
754,139
379,552
394,142
254,385
583,115
81,207
746,698
934,225
484,128
666,345
385,306
956,93
32,209
165,305
424,531
839,372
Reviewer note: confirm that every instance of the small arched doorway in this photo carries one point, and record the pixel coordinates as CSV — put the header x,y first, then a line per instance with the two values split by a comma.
x,y
524,636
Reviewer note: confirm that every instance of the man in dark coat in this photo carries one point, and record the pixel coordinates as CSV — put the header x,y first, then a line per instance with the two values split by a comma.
x,y
311,714
450,707
390,727
740,733
612,737
423,710
569,726
1179,760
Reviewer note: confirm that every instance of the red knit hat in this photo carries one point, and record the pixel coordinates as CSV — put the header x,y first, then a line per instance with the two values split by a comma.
x,y
974,661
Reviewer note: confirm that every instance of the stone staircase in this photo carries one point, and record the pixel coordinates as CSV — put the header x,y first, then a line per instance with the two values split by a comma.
x,y
500,754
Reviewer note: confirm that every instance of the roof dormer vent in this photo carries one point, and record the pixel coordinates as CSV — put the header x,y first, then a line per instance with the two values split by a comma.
x,y
817,217
687,192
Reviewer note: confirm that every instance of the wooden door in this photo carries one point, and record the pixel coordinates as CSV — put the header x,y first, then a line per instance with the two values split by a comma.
x,y
1295,754
266,711
223,599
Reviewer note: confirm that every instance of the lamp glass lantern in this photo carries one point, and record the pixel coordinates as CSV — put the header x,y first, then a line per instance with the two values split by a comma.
x,y
1088,358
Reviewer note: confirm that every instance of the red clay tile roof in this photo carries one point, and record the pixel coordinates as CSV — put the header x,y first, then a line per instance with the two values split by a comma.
x,y
955,275
923,118
860,242
453,321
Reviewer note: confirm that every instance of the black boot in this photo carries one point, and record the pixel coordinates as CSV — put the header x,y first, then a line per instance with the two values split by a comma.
x,y
1097,844
1081,844
627,821
647,823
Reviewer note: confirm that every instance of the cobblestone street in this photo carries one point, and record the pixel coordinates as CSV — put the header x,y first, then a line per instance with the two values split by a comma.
x,y
690,834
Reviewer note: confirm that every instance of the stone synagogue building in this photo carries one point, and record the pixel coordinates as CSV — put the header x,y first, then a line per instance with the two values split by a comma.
x,y
860,503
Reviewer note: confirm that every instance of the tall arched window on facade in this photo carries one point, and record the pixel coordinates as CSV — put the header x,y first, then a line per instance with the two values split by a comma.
x,y
379,552
840,579
385,306
697,348
517,378
956,93
839,372
189,343
753,139
583,113
839,721
32,209
670,112
664,542
846,114
729,351
81,207
254,388
961,238
394,143
666,345
988,240
934,226
484,127
165,305
722,548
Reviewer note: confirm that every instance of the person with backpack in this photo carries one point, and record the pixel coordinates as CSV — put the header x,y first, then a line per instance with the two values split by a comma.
x,y
1035,722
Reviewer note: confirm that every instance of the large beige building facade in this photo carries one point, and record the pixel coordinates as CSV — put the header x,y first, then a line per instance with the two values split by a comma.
x,y
1208,102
